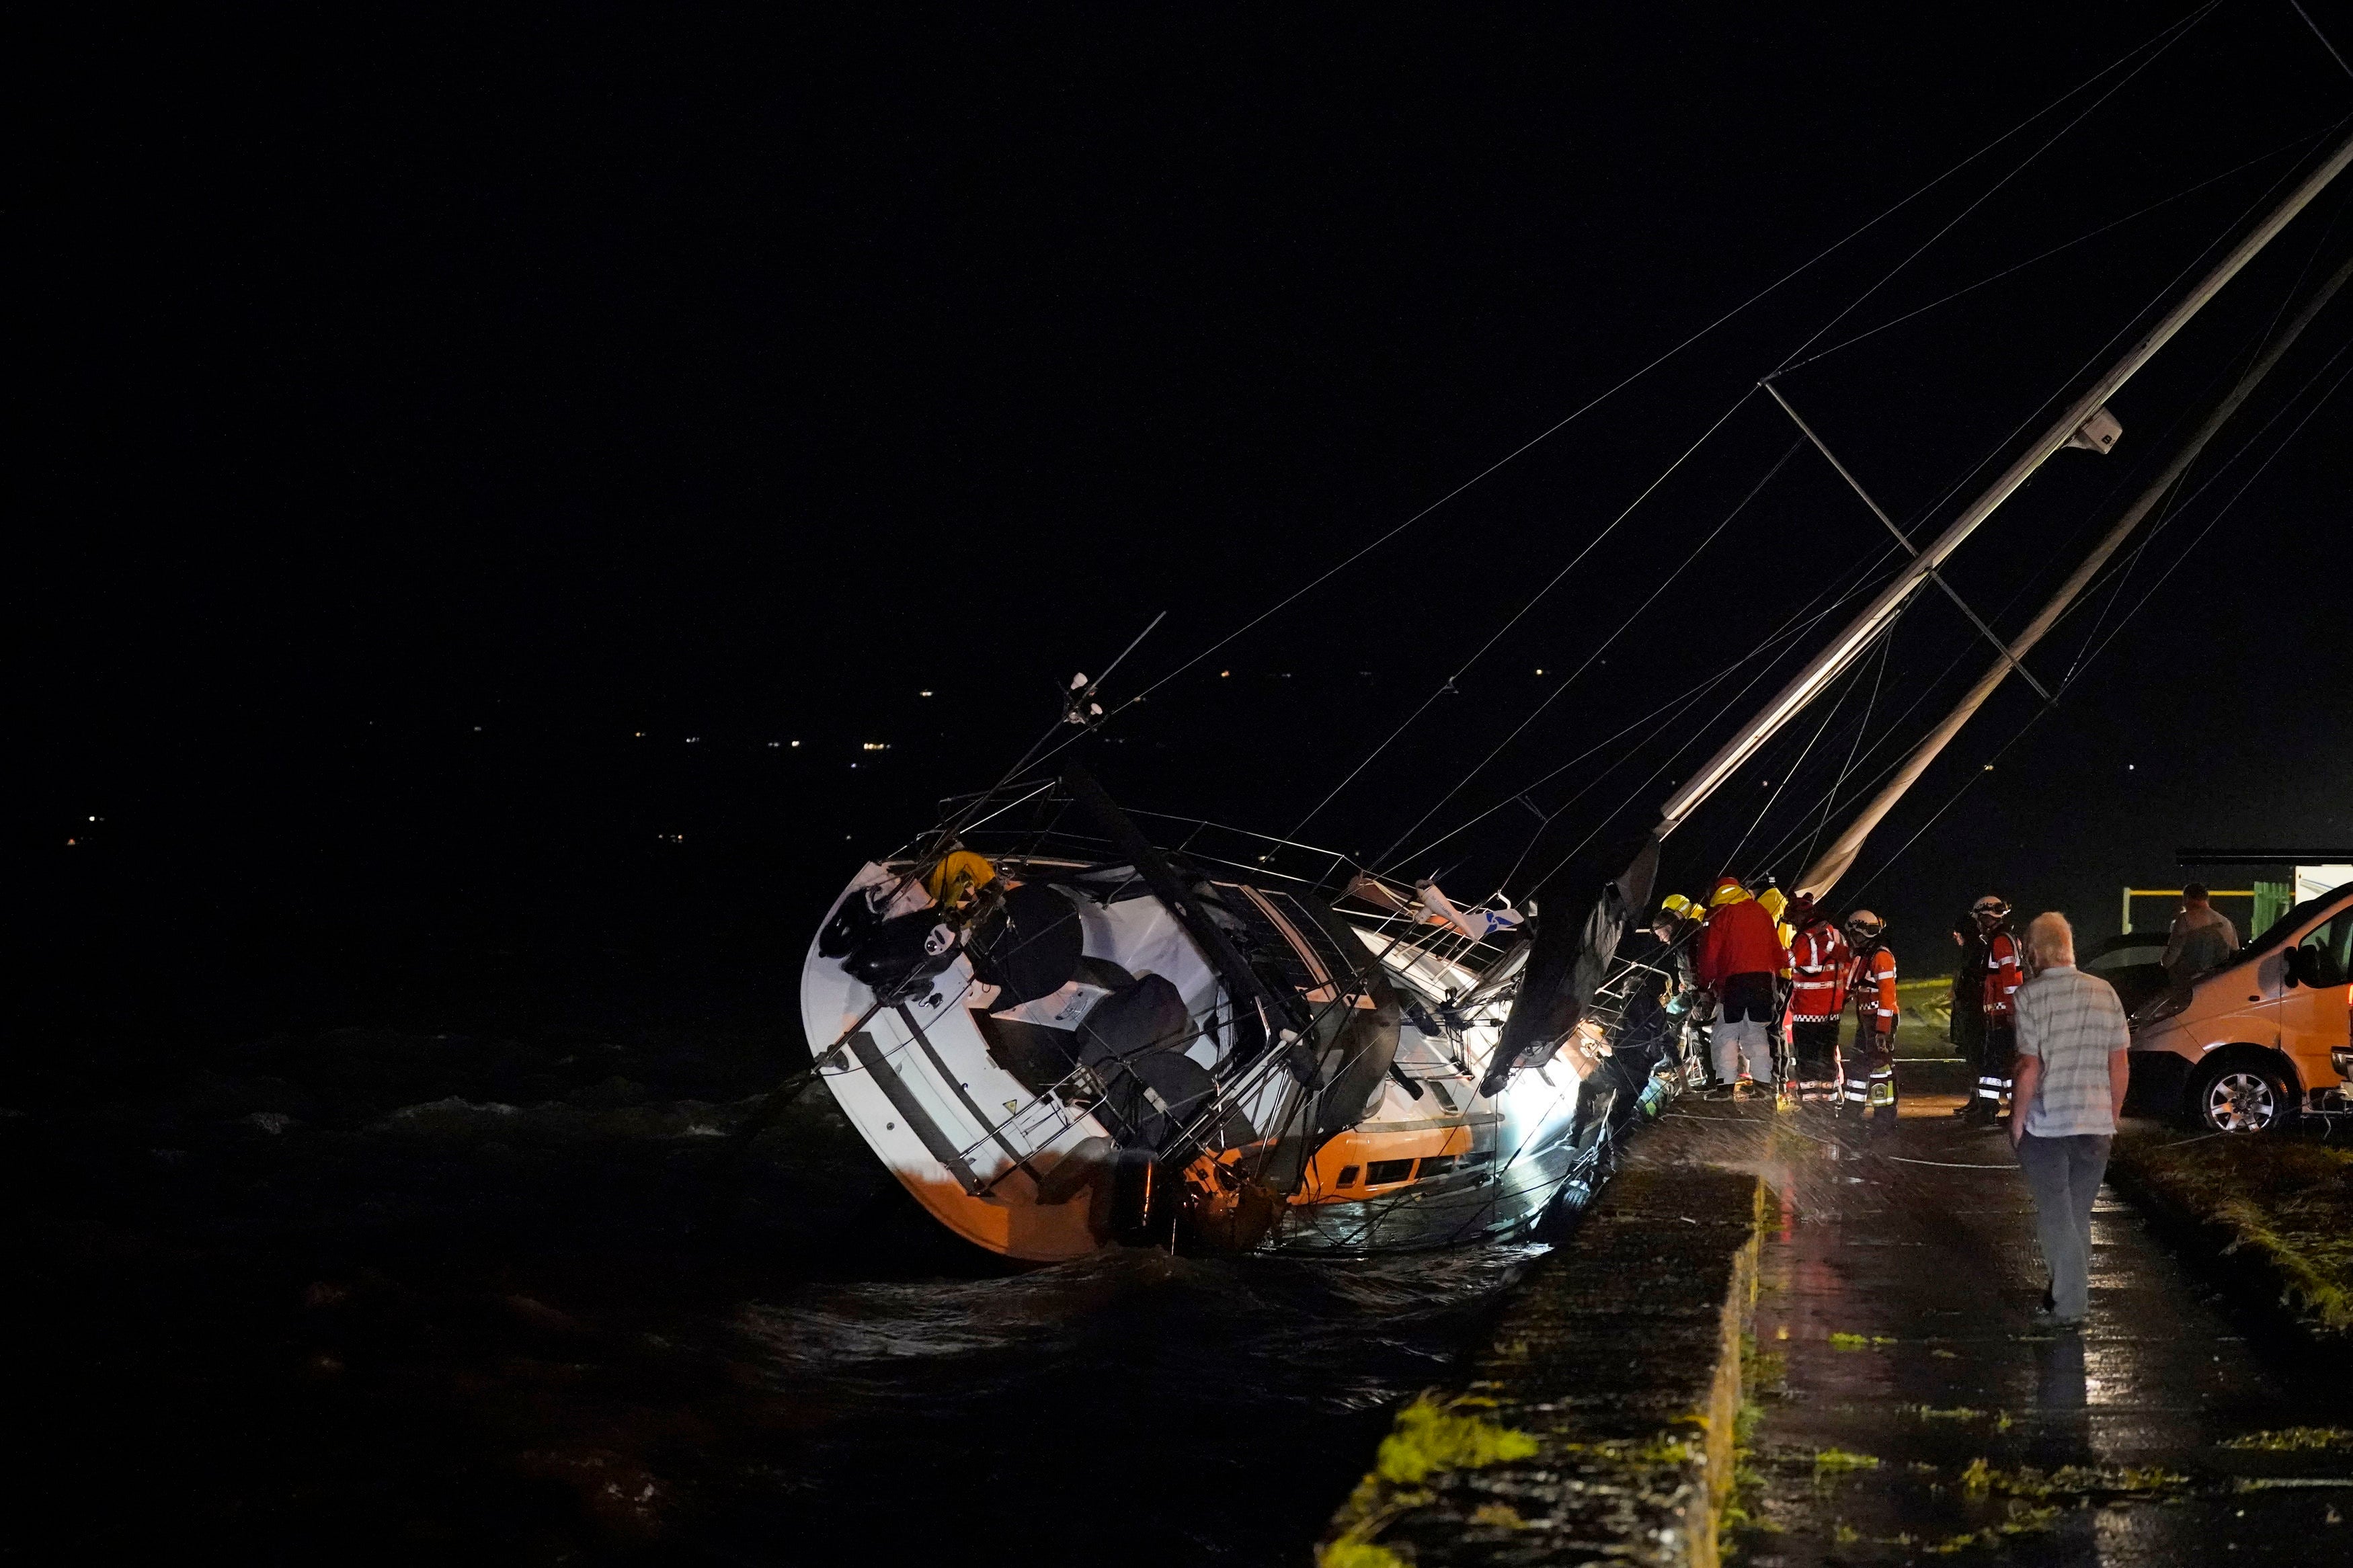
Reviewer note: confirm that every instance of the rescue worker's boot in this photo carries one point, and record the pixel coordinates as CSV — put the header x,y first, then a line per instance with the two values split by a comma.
x,y
1858,1094
1984,1109
1879,1073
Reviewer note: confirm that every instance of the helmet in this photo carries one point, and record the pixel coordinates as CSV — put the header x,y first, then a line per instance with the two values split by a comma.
x,y
1801,909
1992,906
1863,924
1675,904
1728,890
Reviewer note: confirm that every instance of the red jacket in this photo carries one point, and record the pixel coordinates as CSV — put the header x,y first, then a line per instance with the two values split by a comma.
x,y
1819,957
1873,984
2002,977
1738,939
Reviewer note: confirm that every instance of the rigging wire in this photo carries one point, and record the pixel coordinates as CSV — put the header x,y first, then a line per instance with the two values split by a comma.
x,y
1797,624
1886,639
2182,498
1521,614
2019,267
2174,565
2160,39
2112,582
2157,300
949,829
2099,353
1665,764
1607,643
2220,513
1831,794
2106,590
2321,36
2179,30
2110,591
1862,728
1895,727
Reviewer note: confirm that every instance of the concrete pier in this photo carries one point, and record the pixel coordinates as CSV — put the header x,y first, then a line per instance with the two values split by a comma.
x,y
1897,1404
1599,1420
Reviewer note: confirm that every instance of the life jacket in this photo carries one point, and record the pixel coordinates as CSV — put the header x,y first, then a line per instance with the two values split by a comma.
x,y
2002,976
1871,981
1819,961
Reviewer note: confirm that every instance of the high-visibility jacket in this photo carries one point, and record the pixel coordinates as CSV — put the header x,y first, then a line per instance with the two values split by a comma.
x,y
1777,904
2002,977
1819,959
1871,981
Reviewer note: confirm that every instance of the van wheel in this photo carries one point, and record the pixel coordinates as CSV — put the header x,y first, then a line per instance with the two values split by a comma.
x,y
2239,1097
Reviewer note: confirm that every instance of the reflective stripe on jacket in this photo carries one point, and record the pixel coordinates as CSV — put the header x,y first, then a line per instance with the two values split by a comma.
x,y
1872,981
2002,978
1819,959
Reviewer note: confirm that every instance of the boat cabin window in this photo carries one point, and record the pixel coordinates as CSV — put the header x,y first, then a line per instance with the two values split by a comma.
x,y
1437,1165
1348,1176
1381,1171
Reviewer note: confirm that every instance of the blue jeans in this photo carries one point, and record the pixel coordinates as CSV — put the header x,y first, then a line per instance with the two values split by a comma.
x,y
2064,1175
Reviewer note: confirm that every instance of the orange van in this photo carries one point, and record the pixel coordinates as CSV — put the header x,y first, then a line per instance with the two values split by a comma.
x,y
2264,1037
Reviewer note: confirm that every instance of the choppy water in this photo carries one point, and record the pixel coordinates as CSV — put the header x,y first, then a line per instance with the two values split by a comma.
x,y
368,1296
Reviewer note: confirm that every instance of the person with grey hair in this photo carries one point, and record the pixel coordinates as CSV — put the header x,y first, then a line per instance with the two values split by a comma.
x,y
2070,1090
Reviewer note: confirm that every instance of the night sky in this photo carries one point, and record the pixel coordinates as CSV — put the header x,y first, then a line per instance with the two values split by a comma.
x,y
467,457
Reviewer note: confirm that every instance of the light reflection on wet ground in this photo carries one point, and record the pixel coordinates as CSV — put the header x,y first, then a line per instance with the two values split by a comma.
x,y
1915,1242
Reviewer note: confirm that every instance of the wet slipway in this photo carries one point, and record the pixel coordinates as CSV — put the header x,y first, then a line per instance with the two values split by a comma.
x,y
2139,1441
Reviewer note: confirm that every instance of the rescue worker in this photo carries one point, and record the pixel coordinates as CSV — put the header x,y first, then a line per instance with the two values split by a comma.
x,y
1965,1026
1689,1005
2002,977
1768,893
1871,983
1648,1031
1817,963
1739,955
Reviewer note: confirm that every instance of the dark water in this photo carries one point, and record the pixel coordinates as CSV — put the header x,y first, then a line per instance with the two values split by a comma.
x,y
369,1200
377,1295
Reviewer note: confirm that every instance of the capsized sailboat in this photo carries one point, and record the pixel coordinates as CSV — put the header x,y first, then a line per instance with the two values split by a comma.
x,y
1069,1034
1063,1039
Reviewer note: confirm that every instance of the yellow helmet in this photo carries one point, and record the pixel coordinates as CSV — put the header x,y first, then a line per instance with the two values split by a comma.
x,y
959,872
1677,905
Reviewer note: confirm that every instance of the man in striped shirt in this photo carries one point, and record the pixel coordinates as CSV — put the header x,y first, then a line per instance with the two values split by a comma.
x,y
2072,1072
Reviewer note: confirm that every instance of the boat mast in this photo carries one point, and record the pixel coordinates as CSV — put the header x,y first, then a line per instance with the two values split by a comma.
x,y
1826,666
1835,860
